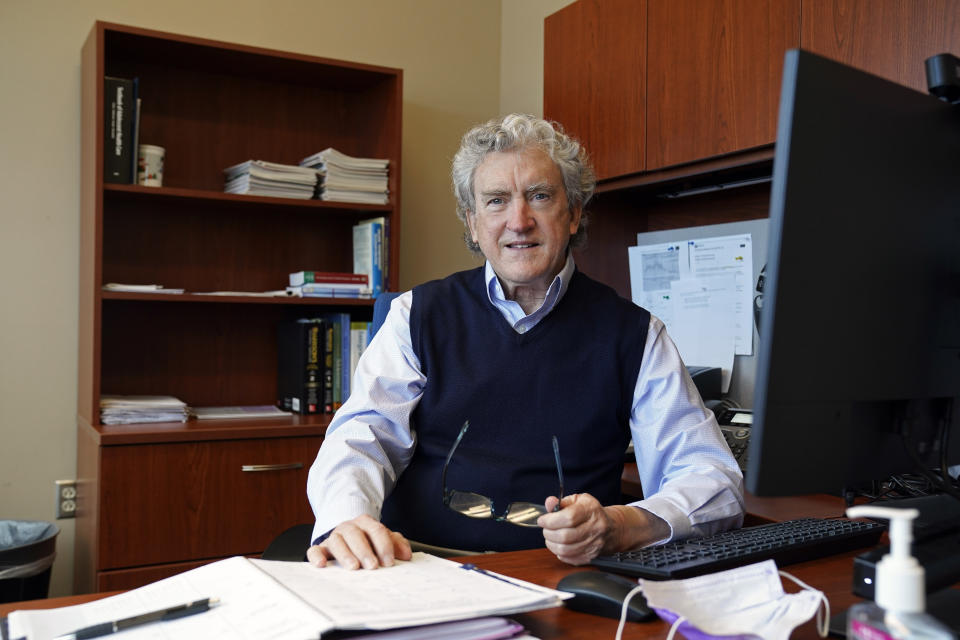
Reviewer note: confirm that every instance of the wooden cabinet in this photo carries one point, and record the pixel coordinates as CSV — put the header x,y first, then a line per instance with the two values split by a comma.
x,y
595,63
714,69
657,84
889,38
156,499
711,88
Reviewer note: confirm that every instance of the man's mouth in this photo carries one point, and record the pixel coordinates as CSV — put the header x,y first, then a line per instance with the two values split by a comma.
x,y
521,245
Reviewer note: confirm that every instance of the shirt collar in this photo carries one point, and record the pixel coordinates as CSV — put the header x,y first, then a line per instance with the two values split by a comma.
x,y
555,291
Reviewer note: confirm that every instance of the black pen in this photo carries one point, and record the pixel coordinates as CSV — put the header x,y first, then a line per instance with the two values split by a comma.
x,y
472,567
171,613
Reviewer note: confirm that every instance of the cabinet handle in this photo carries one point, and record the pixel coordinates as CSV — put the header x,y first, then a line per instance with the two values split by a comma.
x,y
271,467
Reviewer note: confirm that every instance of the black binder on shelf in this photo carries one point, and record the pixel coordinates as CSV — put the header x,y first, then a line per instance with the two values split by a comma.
x,y
119,111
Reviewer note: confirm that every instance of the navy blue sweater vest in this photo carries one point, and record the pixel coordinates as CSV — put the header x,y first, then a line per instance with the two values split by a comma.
x,y
572,375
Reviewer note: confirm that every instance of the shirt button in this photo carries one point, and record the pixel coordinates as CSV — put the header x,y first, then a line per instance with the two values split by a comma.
x,y
522,328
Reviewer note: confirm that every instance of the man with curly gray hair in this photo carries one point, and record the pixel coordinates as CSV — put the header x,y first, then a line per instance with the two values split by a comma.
x,y
525,351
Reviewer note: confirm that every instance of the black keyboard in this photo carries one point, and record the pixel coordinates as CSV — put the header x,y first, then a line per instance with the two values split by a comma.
x,y
785,542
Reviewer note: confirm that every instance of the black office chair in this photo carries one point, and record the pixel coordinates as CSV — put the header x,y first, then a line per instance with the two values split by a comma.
x,y
292,544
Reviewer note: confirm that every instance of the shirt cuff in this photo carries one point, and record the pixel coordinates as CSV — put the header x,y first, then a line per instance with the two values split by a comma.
x,y
676,519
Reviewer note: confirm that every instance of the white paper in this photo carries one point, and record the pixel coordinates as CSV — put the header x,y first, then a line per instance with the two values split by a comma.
x,y
729,260
250,607
423,591
703,325
273,600
702,291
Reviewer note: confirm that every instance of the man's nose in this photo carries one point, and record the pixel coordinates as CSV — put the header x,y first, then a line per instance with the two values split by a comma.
x,y
520,218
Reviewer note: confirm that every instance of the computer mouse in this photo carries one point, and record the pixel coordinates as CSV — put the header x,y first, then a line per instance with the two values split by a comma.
x,y
602,594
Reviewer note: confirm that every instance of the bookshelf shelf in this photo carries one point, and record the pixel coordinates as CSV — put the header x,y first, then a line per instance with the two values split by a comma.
x,y
135,192
226,299
210,105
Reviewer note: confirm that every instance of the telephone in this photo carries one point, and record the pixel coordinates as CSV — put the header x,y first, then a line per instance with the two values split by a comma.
x,y
735,425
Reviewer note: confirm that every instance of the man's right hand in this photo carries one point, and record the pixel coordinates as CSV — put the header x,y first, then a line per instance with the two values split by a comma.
x,y
361,542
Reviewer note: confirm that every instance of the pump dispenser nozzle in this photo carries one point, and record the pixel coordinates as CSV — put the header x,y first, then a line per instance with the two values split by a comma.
x,y
900,584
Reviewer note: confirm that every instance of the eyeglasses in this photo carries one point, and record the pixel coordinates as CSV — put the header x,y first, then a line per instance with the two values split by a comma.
x,y
474,505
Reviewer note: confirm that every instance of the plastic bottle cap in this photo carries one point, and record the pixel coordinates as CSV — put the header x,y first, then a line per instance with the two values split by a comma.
x,y
899,580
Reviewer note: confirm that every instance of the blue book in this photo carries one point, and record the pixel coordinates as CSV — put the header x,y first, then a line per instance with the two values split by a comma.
x,y
368,253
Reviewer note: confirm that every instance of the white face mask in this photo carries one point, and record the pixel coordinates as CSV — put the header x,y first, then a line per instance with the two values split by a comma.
x,y
744,603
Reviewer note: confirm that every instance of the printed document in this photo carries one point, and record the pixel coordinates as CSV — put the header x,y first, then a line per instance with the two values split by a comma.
x,y
702,290
295,600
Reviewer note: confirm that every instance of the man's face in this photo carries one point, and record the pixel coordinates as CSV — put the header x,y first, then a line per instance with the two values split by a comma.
x,y
522,221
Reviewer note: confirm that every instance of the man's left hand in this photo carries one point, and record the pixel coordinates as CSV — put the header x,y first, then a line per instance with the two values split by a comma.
x,y
583,528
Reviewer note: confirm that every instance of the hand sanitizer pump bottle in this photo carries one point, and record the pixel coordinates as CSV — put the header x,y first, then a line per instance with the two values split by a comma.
x,y
899,600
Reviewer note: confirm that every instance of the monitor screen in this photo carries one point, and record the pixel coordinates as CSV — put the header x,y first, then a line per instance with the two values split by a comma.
x,y
861,312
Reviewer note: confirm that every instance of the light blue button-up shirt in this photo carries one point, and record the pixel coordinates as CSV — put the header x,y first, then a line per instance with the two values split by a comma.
x,y
690,478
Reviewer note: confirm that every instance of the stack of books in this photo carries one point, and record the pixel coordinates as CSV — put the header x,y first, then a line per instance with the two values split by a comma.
x,y
329,284
348,179
261,178
116,409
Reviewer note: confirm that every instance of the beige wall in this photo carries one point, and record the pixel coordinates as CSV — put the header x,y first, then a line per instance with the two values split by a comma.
x,y
456,73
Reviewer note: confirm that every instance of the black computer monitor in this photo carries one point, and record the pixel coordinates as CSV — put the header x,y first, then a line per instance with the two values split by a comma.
x,y
860,336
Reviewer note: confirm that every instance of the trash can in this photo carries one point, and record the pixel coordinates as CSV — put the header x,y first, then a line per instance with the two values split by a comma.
x,y
27,550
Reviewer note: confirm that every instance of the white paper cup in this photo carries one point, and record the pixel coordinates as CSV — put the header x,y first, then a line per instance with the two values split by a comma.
x,y
150,165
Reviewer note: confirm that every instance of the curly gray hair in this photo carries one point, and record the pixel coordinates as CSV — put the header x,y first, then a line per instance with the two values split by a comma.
x,y
515,132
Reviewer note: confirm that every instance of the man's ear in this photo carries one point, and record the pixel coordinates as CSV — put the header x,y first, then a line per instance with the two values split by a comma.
x,y
470,226
575,214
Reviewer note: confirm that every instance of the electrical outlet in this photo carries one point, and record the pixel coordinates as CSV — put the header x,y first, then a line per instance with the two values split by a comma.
x,y
66,503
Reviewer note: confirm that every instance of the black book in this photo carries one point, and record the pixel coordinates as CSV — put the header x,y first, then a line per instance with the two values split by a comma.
x,y
328,366
119,110
300,356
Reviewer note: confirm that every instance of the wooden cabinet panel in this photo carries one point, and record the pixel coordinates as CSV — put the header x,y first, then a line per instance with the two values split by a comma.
x,y
125,579
176,502
593,78
713,75
890,38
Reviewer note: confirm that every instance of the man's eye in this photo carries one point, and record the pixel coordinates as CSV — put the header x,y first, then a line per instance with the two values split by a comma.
x,y
494,201
541,196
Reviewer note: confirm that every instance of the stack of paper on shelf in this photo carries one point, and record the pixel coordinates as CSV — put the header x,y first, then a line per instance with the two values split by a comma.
x,y
261,178
115,409
245,411
348,179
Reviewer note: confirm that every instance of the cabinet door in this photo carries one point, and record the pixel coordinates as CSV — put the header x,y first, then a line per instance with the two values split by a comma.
x,y
714,71
593,79
176,502
890,38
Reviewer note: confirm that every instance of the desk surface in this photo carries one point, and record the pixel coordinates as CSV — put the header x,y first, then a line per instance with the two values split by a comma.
x,y
831,575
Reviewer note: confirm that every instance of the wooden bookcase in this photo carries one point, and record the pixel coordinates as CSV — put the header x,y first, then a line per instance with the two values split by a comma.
x,y
156,499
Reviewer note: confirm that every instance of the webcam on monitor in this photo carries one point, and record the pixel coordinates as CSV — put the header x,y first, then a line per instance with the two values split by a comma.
x,y
943,77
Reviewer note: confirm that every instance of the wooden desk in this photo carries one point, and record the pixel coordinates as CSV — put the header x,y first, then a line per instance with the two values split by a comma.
x,y
831,575
759,510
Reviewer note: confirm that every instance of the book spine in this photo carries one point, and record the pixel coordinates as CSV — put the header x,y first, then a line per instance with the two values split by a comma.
x,y
119,106
344,357
376,279
299,376
135,134
358,342
327,367
312,388
380,228
337,362
326,277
